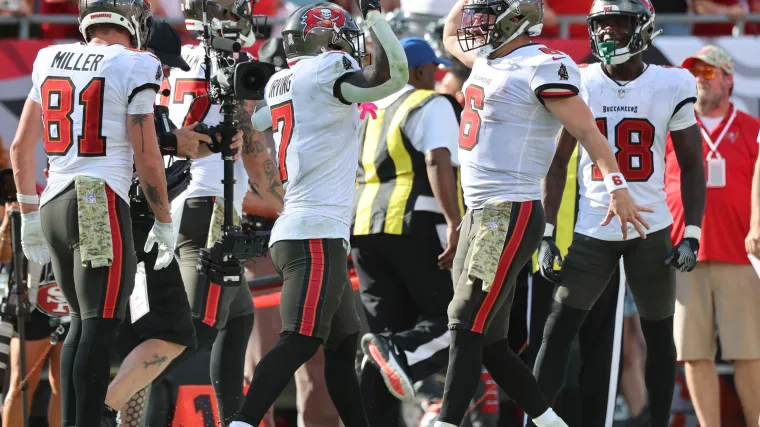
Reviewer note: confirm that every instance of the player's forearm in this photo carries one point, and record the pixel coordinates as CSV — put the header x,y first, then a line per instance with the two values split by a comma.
x,y
389,72
553,188
254,204
24,165
598,148
687,145
443,183
262,172
22,152
149,164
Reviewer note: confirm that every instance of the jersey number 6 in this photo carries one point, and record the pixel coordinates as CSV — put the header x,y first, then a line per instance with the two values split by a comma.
x,y
634,139
57,107
283,122
470,128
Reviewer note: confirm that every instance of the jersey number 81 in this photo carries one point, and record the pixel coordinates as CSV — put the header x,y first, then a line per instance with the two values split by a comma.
x,y
58,97
633,139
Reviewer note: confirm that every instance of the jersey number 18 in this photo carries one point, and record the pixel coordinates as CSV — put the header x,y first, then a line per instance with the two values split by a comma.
x,y
633,139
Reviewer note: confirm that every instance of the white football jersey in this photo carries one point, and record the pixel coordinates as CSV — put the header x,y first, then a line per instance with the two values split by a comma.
x,y
636,118
187,106
317,142
85,92
507,136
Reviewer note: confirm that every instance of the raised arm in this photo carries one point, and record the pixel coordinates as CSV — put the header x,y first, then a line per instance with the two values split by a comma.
x,y
389,71
450,39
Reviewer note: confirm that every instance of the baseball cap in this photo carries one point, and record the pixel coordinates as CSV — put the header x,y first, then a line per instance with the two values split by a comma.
x,y
713,55
166,44
419,52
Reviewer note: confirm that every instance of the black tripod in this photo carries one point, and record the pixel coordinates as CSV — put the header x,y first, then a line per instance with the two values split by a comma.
x,y
16,305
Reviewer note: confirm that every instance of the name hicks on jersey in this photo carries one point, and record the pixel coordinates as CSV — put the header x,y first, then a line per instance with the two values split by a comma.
x,y
619,109
62,60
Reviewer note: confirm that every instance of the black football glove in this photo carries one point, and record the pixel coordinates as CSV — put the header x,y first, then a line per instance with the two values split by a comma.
x,y
367,5
548,252
684,255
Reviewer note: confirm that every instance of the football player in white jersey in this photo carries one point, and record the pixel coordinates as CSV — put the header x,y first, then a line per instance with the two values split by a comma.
x,y
223,315
313,113
635,105
516,99
93,106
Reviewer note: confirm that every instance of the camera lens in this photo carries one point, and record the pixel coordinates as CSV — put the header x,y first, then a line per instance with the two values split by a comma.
x,y
254,79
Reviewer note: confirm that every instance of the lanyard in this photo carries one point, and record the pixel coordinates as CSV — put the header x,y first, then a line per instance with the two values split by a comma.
x,y
714,145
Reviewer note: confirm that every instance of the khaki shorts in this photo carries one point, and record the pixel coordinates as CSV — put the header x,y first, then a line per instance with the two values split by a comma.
x,y
728,294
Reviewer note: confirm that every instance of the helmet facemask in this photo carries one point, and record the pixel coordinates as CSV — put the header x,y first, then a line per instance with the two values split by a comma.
x,y
487,25
616,37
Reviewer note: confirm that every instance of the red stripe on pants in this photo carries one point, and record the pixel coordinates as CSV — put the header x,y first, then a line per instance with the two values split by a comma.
x,y
314,287
212,303
507,256
114,271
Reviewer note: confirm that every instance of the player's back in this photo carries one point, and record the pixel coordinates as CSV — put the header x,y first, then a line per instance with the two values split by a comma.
x,y
316,137
635,117
189,104
85,91
507,136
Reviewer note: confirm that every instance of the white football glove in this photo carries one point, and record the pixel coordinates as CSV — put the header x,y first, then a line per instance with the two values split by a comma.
x,y
32,240
163,234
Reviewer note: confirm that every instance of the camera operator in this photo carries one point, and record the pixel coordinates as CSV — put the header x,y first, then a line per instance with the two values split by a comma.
x,y
162,334
223,315
43,337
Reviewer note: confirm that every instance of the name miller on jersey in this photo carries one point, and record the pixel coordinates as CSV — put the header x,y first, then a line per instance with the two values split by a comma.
x,y
62,60
619,109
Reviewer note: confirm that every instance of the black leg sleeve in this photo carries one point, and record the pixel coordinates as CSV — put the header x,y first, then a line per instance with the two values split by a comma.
x,y
92,369
514,377
68,355
227,365
274,372
342,384
465,364
660,368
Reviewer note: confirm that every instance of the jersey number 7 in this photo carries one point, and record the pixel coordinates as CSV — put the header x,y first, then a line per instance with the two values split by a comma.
x,y
633,139
283,122
57,108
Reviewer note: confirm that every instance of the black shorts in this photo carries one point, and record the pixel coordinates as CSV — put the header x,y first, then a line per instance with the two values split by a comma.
x,y
317,299
40,326
101,292
488,312
590,263
212,304
169,318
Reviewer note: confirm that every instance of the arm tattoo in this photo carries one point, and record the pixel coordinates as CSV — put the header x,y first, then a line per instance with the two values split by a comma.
x,y
154,197
157,361
139,119
252,146
271,172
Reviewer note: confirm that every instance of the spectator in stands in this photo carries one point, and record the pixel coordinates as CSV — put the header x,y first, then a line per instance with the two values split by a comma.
x,y
315,408
672,7
723,287
736,11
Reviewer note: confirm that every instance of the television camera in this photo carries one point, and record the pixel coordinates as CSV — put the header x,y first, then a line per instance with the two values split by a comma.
x,y
233,79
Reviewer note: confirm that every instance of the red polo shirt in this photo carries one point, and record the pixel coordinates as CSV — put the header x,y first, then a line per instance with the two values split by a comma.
x,y
727,211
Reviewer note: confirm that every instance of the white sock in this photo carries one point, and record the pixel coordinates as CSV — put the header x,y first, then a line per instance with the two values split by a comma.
x,y
240,424
543,420
438,424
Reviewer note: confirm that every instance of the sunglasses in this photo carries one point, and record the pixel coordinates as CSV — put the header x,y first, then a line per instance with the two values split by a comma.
x,y
707,73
